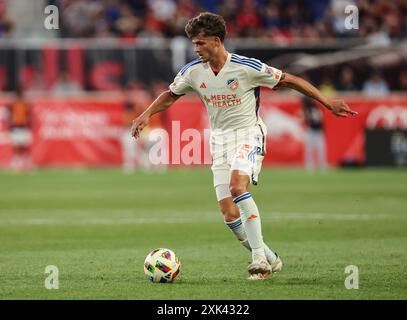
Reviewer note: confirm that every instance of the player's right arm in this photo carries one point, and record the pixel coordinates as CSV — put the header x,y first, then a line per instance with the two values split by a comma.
x,y
180,86
163,101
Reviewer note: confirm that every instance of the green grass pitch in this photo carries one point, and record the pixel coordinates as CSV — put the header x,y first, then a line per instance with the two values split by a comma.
x,y
97,227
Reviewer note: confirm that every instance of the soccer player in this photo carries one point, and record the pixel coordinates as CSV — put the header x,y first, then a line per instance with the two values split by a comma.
x,y
229,86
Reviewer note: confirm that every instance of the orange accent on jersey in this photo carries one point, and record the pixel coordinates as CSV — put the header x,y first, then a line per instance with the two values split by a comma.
x,y
253,216
203,85
20,113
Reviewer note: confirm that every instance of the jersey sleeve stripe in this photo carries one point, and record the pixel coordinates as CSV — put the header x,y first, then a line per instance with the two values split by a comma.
x,y
187,65
246,64
190,64
251,60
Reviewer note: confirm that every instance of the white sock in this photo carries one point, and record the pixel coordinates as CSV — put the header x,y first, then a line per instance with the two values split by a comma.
x,y
251,223
270,254
237,229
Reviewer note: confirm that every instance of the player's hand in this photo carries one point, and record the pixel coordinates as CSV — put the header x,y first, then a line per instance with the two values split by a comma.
x,y
138,125
341,109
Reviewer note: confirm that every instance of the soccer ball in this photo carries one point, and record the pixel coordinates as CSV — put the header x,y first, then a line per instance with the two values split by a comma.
x,y
162,265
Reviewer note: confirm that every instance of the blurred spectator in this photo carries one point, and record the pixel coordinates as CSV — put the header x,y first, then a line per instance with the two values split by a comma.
x,y
314,141
80,18
282,20
20,133
33,81
6,24
176,25
327,87
156,122
129,146
112,11
271,17
346,80
127,25
65,86
229,10
163,10
152,26
375,86
137,153
403,81
210,5
337,11
248,19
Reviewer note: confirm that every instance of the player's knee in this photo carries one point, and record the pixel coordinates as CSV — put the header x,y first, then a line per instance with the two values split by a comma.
x,y
230,213
237,189
229,210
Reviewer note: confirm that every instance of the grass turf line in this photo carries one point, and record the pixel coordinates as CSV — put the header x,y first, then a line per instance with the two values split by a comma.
x,y
97,226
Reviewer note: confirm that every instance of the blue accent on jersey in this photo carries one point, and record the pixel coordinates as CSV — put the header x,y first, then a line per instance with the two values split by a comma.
x,y
245,64
190,64
252,60
262,150
251,155
253,63
257,97
236,56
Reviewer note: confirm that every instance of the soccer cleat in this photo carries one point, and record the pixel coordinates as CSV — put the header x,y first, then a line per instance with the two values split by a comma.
x,y
277,265
257,276
259,265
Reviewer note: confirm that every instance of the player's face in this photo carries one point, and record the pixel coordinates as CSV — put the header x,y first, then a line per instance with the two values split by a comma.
x,y
206,47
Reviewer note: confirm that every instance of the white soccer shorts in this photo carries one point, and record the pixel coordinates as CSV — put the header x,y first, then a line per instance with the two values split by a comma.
x,y
20,137
242,150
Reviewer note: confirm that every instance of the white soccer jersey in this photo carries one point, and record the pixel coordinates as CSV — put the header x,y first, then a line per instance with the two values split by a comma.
x,y
232,97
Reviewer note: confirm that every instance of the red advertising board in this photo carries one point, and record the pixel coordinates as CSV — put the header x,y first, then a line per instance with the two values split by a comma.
x,y
5,146
286,128
77,132
89,132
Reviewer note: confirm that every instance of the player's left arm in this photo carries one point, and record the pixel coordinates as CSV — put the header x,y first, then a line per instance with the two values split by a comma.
x,y
336,107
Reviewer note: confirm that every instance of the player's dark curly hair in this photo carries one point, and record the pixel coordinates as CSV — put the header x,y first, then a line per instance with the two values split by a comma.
x,y
209,24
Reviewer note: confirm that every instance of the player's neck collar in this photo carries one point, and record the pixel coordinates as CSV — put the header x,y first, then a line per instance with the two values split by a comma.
x,y
219,68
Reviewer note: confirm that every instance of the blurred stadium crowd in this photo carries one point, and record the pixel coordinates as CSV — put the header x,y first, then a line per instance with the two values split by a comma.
x,y
285,23
281,20
303,37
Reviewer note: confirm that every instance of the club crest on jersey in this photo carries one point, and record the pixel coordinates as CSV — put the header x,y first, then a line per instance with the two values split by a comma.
x,y
269,71
273,72
232,83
